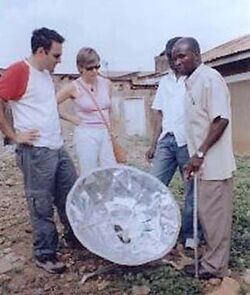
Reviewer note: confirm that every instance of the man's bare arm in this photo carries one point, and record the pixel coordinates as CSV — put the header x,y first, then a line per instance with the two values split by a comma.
x,y
5,126
216,130
23,137
157,128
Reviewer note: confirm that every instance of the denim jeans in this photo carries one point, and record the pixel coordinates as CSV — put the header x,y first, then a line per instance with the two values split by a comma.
x,y
168,157
48,177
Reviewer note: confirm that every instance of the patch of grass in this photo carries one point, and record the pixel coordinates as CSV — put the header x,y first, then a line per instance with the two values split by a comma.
x,y
161,281
240,245
240,249
243,291
176,187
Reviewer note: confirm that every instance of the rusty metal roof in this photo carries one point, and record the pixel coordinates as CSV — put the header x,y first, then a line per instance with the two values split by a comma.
x,y
238,45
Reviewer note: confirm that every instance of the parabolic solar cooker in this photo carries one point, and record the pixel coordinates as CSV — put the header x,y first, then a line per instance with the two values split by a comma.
x,y
123,215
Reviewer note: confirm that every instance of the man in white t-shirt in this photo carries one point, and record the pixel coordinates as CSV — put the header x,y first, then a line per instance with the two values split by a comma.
x,y
47,169
168,150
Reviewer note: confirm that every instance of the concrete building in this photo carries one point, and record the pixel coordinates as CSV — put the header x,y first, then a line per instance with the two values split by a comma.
x,y
232,60
132,95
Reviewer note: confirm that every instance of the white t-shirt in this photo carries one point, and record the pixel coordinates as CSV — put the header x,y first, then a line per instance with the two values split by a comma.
x,y
169,99
37,109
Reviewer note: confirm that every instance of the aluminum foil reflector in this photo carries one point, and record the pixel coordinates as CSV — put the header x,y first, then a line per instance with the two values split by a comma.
x,y
124,215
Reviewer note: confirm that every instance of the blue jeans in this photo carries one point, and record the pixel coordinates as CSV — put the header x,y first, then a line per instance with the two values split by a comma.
x,y
168,157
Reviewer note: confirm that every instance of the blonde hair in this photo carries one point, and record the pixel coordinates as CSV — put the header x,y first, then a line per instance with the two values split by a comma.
x,y
86,56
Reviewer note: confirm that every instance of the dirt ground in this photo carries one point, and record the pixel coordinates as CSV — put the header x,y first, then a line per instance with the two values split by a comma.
x,y
18,274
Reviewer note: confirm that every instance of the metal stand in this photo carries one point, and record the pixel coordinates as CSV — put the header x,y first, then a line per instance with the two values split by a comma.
x,y
195,225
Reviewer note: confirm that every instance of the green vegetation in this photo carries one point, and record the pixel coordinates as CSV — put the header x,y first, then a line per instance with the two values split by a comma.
x,y
163,280
240,250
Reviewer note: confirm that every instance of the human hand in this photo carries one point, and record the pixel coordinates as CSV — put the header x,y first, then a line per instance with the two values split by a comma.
x,y
192,166
27,137
150,153
188,172
76,120
196,162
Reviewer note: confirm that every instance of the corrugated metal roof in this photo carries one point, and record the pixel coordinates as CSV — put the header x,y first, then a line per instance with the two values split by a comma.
x,y
238,45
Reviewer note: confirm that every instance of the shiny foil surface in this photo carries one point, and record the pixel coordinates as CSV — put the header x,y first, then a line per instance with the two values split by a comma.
x,y
124,215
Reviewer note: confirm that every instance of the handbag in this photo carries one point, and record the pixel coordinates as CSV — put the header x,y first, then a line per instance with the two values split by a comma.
x,y
119,152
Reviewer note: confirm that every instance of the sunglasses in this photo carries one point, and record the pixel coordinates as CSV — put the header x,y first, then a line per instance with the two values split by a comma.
x,y
93,68
55,55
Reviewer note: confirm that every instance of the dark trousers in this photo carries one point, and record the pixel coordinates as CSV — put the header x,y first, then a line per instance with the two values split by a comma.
x,y
48,177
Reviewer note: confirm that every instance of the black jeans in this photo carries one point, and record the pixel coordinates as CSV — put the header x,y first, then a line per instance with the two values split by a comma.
x,y
48,177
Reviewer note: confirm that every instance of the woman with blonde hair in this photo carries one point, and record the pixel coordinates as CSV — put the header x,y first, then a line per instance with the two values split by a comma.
x,y
90,94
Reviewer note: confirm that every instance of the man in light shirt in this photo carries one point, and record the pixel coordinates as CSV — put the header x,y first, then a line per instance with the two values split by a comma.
x,y
209,137
168,150
47,168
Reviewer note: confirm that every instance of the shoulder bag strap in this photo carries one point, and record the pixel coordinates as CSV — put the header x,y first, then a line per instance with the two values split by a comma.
x,y
96,105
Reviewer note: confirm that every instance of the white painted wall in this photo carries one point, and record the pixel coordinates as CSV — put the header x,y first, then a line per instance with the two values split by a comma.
x,y
134,114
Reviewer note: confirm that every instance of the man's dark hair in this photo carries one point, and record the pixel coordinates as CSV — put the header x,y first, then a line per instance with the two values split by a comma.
x,y
169,46
43,38
193,44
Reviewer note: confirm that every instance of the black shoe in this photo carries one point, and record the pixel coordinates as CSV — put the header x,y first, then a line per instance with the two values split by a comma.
x,y
50,264
189,270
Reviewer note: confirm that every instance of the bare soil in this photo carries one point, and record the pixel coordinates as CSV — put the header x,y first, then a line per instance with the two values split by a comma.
x,y
18,274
